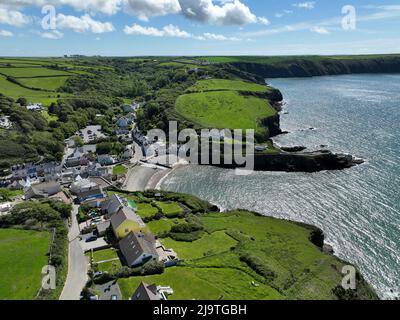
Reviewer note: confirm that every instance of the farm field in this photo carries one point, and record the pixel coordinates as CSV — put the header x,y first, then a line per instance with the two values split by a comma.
x,y
231,85
33,96
220,110
22,257
202,284
51,83
33,72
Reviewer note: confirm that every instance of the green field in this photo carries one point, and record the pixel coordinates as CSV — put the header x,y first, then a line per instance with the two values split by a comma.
x,y
170,209
120,170
245,256
162,226
203,284
52,83
15,91
232,85
22,257
146,210
224,110
210,244
108,258
32,72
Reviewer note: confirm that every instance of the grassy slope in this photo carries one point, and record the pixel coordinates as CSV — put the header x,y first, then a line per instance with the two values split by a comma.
x,y
231,85
15,91
221,110
32,72
52,83
213,267
22,256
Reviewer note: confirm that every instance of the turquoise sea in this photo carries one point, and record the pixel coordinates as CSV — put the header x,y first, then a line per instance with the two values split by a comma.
x,y
358,208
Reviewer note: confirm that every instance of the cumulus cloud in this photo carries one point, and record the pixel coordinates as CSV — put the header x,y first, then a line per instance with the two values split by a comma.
x,y
305,5
320,30
52,35
104,6
5,33
263,21
145,9
82,24
167,31
230,12
173,32
13,17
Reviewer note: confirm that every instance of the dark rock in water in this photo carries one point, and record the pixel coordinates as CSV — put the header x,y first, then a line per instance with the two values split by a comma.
x,y
312,129
323,146
328,249
315,161
285,132
293,149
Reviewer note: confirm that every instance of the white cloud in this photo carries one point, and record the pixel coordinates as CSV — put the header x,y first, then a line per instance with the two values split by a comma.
x,y
305,5
264,21
218,37
13,17
53,35
167,31
320,30
5,33
145,9
82,24
173,32
230,12
109,7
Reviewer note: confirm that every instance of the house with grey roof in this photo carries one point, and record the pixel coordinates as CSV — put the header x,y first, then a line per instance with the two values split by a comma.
x,y
146,292
112,205
125,221
138,248
42,190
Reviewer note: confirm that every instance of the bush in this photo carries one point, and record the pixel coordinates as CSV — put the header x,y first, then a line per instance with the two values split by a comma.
x,y
256,264
186,237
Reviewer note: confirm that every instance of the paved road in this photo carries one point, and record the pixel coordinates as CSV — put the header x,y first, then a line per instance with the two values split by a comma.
x,y
77,263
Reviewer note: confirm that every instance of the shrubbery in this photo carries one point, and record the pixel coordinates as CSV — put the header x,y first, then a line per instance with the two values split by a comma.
x,y
258,266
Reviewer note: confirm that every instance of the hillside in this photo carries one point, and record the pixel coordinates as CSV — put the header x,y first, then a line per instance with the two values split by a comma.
x,y
307,66
241,255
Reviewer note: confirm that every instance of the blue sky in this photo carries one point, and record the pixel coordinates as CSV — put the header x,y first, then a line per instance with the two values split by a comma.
x,y
198,27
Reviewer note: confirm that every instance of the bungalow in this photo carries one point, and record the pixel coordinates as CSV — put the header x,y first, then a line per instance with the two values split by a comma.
x,y
5,122
90,194
138,248
126,221
35,107
146,292
105,160
42,190
112,205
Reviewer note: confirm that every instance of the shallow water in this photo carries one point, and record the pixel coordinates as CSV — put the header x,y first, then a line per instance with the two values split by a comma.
x,y
359,208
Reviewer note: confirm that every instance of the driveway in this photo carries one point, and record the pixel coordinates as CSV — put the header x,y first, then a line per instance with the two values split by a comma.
x,y
77,263
100,243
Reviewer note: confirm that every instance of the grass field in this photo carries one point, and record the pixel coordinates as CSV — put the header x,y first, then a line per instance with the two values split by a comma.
x,y
52,83
224,110
202,284
163,225
106,255
170,210
284,264
32,72
120,170
232,85
146,210
210,244
15,91
22,257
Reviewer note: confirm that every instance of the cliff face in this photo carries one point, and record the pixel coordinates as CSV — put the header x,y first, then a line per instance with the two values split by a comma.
x,y
320,67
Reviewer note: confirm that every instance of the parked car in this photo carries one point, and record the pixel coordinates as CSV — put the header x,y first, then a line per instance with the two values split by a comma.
x,y
114,297
91,239
98,274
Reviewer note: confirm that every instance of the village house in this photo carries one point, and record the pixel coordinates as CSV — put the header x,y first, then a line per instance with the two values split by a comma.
x,y
112,205
138,248
5,123
93,193
42,190
102,228
35,107
126,221
105,160
146,292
